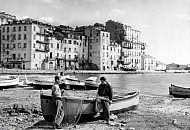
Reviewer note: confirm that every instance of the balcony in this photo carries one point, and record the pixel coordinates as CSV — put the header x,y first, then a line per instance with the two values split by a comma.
x,y
38,41
42,50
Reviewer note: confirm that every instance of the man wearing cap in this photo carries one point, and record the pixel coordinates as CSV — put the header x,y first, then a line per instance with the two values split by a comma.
x,y
104,96
59,112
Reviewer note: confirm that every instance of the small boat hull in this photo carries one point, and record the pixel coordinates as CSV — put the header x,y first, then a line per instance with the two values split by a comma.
x,y
180,92
9,82
73,105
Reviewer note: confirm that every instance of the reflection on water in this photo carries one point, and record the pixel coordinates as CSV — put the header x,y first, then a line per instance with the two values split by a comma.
x,y
155,84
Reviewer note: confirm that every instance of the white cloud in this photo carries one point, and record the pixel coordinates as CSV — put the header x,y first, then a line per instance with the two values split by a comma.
x,y
146,26
91,0
47,19
97,13
116,12
57,4
184,16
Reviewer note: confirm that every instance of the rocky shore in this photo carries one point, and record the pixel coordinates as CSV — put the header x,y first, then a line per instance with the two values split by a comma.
x,y
20,109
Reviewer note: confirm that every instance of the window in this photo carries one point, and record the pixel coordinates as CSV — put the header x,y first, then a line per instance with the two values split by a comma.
x,y
75,50
103,47
69,41
90,47
75,42
25,45
3,37
7,29
14,29
69,49
34,45
19,28
3,29
24,55
18,56
57,45
39,56
7,46
34,37
51,45
25,28
19,36
19,45
7,37
34,29
34,56
51,55
14,36
69,56
14,45
64,49
90,54
7,52
24,36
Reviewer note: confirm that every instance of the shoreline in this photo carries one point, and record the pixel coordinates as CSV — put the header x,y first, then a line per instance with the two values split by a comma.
x,y
54,72
152,113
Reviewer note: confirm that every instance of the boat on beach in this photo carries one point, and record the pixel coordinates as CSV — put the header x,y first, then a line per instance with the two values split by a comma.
x,y
178,91
9,81
80,106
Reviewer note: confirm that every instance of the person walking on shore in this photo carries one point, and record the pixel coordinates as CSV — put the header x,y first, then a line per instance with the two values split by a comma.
x,y
59,112
104,96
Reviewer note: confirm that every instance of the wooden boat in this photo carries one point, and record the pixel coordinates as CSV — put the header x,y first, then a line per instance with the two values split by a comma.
x,y
91,83
85,106
74,83
9,81
177,91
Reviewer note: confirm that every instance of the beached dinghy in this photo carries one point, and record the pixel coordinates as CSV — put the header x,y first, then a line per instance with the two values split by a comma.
x,y
75,106
177,91
9,81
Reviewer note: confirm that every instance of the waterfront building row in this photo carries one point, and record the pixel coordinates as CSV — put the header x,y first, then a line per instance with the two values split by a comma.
x,y
30,44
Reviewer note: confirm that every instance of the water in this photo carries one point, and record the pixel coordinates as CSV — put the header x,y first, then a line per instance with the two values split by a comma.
x,y
151,84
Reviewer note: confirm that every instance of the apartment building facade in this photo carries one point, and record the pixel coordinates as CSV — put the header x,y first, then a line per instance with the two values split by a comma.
x,y
102,52
131,46
30,44
148,62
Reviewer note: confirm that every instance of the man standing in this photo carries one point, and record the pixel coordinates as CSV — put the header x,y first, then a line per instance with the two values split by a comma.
x,y
104,96
59,112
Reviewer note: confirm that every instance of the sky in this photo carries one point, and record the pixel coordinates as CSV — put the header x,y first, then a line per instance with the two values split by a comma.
x,y
165,24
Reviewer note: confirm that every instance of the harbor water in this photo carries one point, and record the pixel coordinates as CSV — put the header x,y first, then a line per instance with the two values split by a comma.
x,y
150,83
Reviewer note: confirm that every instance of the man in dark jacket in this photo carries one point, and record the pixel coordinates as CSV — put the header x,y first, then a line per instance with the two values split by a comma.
x,y
104,96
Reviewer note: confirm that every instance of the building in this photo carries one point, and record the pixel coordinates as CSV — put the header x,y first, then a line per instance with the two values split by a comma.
x,y
160,66
5,18
148,62
102,53
30,44
131,46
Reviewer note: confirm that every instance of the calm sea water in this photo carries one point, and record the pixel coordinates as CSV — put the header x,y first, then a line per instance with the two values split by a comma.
x,y
152,84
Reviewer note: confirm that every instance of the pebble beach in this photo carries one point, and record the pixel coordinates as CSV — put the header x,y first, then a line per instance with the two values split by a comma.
x,y
20,109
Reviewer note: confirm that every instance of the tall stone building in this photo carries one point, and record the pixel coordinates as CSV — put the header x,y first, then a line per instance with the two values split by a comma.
x,y
102,52
131,45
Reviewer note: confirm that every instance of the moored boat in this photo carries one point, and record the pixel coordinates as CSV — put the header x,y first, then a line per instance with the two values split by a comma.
x,y
73,106
91,83
9,81
178,91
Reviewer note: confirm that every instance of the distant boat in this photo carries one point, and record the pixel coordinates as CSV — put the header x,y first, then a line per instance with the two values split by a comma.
x,y
74,83
91,83
180,92
45,83
9,81
85,106
129,68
